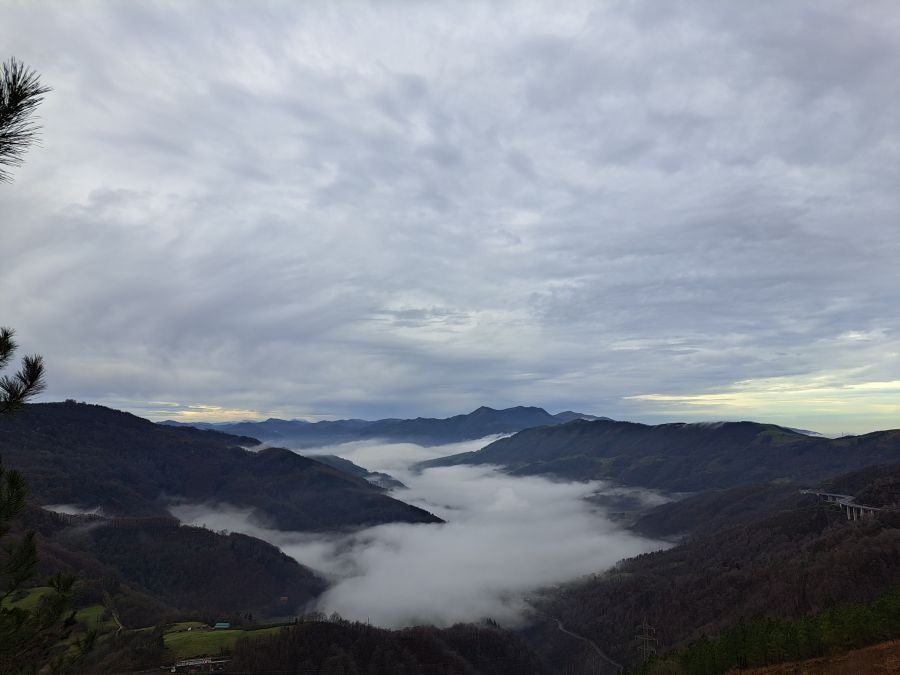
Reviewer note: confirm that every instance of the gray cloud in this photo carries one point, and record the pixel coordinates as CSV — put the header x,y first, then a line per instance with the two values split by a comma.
x,y
392,210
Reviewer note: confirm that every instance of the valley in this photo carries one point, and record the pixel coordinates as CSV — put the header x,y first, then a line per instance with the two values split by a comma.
x,y
399,535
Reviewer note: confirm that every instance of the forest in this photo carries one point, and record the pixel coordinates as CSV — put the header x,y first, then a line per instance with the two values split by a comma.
x,y
341,647
765,641
786,565
92,456
152,570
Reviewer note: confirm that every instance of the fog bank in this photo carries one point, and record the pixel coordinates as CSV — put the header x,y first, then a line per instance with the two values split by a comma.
x,y
73,510
504,537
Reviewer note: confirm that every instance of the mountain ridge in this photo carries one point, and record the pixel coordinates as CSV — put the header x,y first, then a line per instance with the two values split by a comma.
x,y
679,457
90,456
481,422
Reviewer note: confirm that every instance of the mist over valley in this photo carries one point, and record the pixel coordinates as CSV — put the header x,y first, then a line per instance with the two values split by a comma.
x,y
503,537
549,543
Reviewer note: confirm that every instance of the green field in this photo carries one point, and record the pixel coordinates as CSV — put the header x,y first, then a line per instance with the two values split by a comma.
x,y
30,600
184,625
181,642
92,617
187,644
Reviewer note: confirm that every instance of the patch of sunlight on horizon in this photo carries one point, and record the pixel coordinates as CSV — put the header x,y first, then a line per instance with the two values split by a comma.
x,y
158,411
821,402
198,412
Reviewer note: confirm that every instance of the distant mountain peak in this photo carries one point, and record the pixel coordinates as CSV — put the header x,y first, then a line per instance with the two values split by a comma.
x,y
512,410
571,415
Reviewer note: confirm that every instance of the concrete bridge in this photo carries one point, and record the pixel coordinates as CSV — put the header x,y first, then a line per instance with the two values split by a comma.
x,y
853,510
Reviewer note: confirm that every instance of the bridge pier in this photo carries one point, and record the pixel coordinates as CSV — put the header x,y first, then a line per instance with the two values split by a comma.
x,y
859,512
853,510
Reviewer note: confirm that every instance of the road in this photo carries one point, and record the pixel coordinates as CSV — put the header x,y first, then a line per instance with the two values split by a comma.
x,y
559,624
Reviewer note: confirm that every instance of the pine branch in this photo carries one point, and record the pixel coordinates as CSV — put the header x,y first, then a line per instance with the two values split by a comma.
x,y
7,345
20,94
15,390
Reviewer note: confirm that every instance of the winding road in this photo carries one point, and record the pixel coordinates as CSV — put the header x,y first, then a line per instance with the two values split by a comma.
x,y
594,646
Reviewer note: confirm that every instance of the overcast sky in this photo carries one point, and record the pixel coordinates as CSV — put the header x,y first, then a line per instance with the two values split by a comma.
x,y
647,210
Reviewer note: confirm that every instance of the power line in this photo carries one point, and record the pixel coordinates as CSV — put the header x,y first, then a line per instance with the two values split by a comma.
x,y
647,636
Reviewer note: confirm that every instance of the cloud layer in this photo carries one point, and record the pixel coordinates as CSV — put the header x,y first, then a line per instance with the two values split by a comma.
x,y
386,209
504,538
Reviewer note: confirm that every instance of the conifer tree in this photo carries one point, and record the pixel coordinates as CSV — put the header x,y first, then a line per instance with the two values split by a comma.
x,y
28,635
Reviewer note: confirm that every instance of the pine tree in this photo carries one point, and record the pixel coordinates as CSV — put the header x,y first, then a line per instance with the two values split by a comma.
x,y
27,636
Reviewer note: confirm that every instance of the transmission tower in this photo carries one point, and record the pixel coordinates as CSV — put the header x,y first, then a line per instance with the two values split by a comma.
x,y
647,636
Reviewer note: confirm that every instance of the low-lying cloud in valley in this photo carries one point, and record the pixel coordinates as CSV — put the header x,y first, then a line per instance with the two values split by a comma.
x,y
505,537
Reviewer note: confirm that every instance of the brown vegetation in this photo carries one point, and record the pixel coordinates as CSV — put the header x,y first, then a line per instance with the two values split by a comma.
x,y
880,659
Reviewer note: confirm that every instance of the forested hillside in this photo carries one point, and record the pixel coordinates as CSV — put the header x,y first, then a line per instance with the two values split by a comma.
x,y
874,486
799,557
765,641
155,567
344,647
93,456
377,478
710,511
680,457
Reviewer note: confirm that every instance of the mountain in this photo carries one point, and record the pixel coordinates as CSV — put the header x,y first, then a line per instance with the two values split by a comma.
x,y
377,478
877,486
477,424
423,430
92,456
751,551
679,457
799,558
155,566
714,510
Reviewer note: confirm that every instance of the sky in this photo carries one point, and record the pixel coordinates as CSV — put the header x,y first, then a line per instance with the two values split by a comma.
x,y
650,211
505,537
